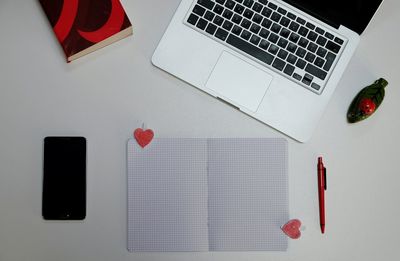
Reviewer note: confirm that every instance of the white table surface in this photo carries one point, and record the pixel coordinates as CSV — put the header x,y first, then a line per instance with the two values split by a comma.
x,y
106,95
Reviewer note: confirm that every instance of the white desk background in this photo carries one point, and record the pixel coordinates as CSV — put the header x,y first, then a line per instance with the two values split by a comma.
x,y
107,94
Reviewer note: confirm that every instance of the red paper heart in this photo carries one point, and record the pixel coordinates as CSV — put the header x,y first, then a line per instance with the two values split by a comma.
x,y
292,228
143,137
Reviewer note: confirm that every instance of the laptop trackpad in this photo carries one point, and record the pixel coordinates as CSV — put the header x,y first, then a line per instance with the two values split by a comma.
x,y
237,81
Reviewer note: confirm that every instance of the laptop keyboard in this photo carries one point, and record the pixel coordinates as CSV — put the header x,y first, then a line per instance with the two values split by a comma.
x,y
281,40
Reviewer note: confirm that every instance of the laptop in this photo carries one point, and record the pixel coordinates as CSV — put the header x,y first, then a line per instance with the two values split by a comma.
x,y
277,61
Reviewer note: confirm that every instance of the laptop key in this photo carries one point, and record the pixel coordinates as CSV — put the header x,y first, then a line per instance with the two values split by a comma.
x,y
257,7
248,3
312,36
250,49
236,19
294,37
255,28
289,69
278,64
220,1
303,31
303,42
246,23
264,2
321,52
239,9
282,42
276,28
320,31
275,17
229,4
227,14
266,23
301,63
301,52
315,86
266,12
221,34
236,30
257,18
282,54
272,5
297,76
307,79
199,10
301,20
282,11
192,19
248,13
291,16
255,39
294,26
315,71
310,26
312,47
330,57
207,3
211,28
332,47
273,38
245,35
218,9
291,47
227,25
218,20
310,57
202,23
291,59
264,44
273,49
285,21
264,33
209,16
329,35
321,40
319,62
338,40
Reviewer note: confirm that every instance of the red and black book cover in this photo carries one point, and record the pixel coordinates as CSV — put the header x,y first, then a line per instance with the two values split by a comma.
x,y
82,26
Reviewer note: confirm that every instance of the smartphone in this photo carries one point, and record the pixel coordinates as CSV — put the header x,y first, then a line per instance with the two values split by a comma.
x,y
64,178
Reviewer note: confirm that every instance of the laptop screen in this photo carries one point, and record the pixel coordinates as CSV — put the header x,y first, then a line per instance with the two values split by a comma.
x,y
354,14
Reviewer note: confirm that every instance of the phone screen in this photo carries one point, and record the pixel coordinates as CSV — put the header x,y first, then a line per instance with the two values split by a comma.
x,y
64,178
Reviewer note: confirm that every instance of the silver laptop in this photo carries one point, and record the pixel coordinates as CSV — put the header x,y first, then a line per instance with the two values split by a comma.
x,y
277,61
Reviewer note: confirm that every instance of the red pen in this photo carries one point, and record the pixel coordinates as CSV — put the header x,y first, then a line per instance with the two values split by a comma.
x,y
321,190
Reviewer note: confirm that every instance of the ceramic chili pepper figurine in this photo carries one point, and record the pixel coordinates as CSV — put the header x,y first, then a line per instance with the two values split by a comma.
x,y
367,101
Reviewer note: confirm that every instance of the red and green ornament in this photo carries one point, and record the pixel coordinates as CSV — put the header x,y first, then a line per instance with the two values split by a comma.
x,y
367,101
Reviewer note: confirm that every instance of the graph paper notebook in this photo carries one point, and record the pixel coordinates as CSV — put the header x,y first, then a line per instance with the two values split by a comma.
x,y
207,195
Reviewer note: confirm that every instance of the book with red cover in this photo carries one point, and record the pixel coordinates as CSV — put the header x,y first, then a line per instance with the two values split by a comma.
x,y
83,26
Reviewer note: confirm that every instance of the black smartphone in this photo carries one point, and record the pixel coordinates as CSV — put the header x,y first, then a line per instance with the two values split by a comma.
x,y
64,178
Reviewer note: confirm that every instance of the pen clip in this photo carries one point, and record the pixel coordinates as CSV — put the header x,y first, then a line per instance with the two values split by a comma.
x,y
325,187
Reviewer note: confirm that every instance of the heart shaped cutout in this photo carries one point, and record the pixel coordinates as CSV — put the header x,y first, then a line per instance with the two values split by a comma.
x,y
292,228
143,137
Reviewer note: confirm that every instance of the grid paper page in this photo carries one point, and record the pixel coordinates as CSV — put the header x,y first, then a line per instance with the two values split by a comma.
x,y
248,194
167,195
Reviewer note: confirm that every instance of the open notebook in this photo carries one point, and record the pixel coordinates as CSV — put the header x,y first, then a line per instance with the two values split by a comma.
x,y
207,195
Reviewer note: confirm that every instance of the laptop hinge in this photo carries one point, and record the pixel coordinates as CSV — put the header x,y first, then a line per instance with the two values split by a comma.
x,y
323,19
310,12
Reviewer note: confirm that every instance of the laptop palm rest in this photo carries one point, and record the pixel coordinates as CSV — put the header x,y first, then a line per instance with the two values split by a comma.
x,y
238,82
